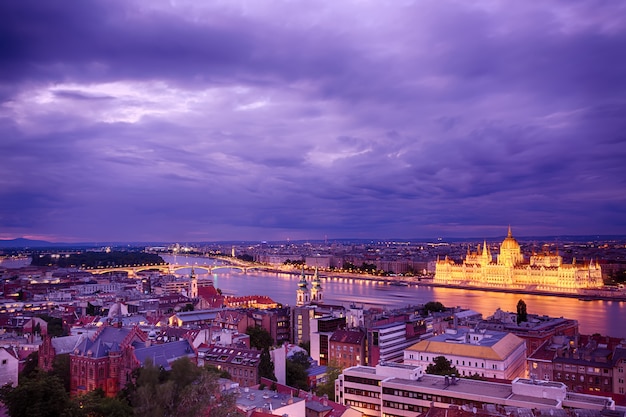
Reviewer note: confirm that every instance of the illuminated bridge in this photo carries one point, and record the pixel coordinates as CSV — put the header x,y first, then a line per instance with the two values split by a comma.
x,y
173,269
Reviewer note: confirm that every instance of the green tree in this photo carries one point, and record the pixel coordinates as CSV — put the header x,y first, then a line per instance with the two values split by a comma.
x,y
302,359
55,326
259,337
368,268
41,395
328,387
433,307
296,371
61,368
184,372
30,366
266,366
96,404
185,390
522,314
220,373
441,366
348,266
476,377
149,397
296,375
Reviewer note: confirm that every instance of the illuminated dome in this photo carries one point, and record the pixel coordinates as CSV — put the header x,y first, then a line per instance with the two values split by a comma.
x,y
509,242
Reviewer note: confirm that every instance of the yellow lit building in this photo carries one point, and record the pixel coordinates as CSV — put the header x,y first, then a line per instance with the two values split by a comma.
x,y
542,272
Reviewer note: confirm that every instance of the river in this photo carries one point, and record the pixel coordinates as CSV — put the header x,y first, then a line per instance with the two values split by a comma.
x,y
604,317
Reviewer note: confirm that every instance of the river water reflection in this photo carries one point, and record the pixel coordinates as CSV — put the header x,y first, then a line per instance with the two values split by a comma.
x,y
604,317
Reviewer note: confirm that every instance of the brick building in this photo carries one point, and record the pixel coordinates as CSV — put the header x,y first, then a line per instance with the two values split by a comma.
x,y
107,359
347,348
583,363
241,364
277,322
104,361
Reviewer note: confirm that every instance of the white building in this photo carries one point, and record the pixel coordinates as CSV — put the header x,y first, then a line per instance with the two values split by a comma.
x,y
489,354
404,390
8,367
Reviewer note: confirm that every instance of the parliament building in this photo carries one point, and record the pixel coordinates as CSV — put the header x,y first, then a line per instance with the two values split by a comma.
x,y
542,272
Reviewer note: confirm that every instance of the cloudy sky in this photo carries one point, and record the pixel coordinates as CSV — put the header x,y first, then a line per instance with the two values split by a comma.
x,y
267,120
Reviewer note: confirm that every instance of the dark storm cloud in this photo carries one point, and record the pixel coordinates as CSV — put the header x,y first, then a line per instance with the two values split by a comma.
x,y
129,120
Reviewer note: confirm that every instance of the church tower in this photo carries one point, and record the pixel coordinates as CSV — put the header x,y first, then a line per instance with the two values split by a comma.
x,y
193,284
303,293
317,290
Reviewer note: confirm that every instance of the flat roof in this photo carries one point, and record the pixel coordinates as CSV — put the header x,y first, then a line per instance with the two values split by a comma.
x,y
250,399
363,369
462,386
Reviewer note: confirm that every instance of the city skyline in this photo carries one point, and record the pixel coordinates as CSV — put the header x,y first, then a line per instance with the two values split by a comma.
x,y
177,121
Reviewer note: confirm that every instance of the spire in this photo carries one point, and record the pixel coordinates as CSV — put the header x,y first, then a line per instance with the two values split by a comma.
x,y
509,234
316,279
303,293
302,283
485,247
316,289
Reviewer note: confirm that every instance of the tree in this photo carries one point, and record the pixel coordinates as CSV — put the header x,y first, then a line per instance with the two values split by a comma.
x,y
302,359
96,404
266,366
41,395
441,366
328,387
522,314
184,372
152,396
296,375
30,366
185,390
245,257
61,368
259,337
296,371
219,372
433,306
348,266
55,325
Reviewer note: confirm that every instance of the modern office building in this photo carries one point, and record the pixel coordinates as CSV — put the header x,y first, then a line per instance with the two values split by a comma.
x,y
399,390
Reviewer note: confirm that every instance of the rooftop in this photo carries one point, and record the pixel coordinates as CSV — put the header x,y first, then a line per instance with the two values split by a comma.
x,y
249,399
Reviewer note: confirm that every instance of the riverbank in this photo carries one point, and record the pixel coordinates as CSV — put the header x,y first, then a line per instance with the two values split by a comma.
x,y
582,294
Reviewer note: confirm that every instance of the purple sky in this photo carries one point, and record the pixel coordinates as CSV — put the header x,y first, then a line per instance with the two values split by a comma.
x,y
263,120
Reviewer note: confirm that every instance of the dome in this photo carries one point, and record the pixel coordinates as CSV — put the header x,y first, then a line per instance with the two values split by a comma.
x,y
509,242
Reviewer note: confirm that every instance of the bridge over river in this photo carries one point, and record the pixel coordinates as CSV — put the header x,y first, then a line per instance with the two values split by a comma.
x,y
132,271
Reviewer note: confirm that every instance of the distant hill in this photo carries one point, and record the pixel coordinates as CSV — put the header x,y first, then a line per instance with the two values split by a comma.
x,y
22,243
27,243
